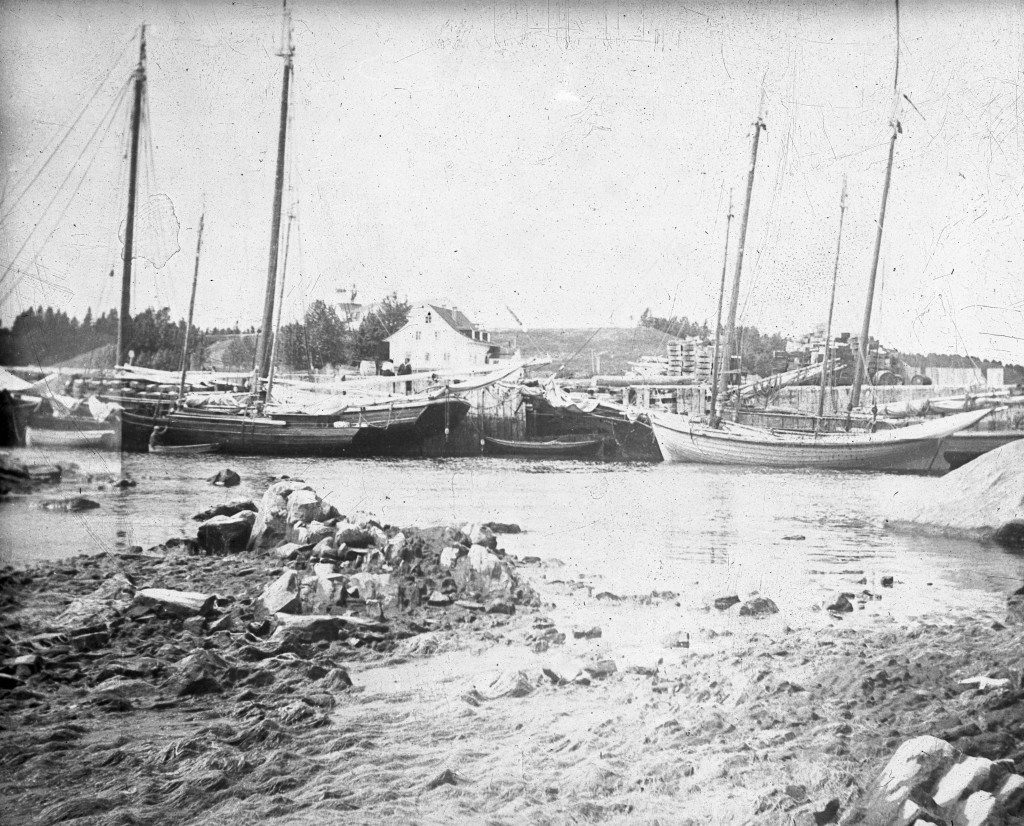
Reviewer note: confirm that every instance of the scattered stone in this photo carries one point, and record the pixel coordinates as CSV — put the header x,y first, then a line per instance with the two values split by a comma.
x,y
758,607
587,633
125,482
828,813
469,605
600,668
225,478
197,674
887,582
175,603
195,625
796,537
724,603
503,684
447,777
438,600
842,605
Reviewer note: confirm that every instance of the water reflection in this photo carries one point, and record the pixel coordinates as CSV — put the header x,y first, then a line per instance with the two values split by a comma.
x,y
699,531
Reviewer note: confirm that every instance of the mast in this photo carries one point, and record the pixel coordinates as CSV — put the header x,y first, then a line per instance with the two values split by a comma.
x,y
124,318
280,306
831,305
861,366
730,326
191,308
263,347
715,369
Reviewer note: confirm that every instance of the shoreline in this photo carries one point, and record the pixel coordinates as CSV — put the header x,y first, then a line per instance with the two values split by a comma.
x,y
575,705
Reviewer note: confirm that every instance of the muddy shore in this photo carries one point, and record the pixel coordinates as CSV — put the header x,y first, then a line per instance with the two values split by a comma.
x,y
554,702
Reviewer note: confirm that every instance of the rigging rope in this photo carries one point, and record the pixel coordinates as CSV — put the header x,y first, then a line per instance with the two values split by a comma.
x,y
56,193
65,136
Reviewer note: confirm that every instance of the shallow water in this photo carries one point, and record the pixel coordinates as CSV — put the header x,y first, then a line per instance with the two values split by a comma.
x,y
698,531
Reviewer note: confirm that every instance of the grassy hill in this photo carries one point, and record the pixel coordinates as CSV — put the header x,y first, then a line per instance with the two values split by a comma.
x,y
575,347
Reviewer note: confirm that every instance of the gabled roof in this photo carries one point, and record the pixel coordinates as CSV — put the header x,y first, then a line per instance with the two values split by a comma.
x,y
455,318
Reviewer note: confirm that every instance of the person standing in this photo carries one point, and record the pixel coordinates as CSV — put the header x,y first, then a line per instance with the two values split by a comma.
x,y
405,369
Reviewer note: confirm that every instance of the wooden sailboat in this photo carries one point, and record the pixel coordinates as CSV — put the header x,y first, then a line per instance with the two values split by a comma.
x,y
256,425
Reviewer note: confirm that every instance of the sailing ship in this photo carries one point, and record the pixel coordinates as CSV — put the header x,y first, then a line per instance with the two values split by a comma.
x,y
254,423
911,448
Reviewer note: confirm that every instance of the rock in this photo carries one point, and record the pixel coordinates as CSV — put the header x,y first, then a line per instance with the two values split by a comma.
x,y
482,561
963,777
226,534
125,482
314,533
600,668
305,506
724,603
226,509
309,627
446,778
1010,534
337,679
195,625
469,605
395,546
369,586
271,528
501,606
1015,608
354,536
887,582
758,607
796,537
828,813
280,596
503,527
587,633
175,603
438,600
450,555
503,684
841,605
481,535
226,478
197,673
289,551
73,504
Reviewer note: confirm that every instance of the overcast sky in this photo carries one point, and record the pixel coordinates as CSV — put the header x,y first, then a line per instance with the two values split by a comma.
x,y
571,161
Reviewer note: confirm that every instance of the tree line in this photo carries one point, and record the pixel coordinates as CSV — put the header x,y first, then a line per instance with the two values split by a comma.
x,y
323,338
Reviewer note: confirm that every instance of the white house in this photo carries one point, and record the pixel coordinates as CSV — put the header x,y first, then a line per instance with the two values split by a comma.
x,y
440,338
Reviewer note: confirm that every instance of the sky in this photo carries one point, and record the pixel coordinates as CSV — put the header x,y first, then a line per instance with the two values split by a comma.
x,y
570,163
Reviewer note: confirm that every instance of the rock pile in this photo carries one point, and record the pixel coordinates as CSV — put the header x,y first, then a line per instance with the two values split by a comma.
x,y
929,781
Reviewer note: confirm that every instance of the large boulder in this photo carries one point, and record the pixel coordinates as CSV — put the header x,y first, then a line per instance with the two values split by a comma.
x,y
271,527
980,500
305,506
226,534
180,604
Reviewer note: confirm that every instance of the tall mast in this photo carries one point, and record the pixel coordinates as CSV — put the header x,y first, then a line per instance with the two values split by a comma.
x,y
280,306
861,366
263,349
831,306
124,318
191,308
715,368
730,327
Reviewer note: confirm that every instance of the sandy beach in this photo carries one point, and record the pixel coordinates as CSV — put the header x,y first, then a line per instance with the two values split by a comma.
x,y
437,702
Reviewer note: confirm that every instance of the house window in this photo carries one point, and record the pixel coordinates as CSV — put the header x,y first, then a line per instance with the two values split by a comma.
x,y
417,335
429,317
447,356
437,334
426,357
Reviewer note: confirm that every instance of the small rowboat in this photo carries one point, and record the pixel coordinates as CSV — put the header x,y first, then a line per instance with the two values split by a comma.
x,y
569,447
184,450
84,434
